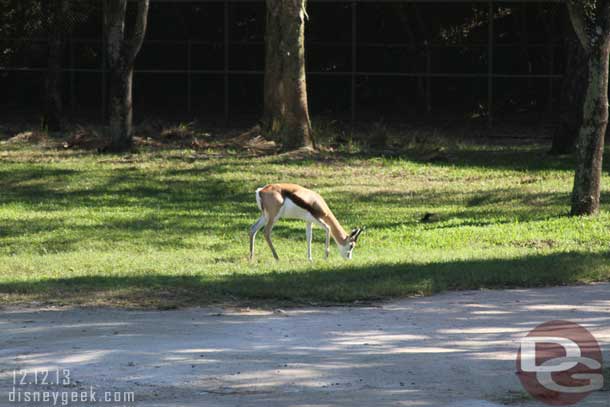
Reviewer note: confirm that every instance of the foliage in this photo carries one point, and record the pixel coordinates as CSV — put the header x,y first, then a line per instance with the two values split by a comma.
x,y
22,21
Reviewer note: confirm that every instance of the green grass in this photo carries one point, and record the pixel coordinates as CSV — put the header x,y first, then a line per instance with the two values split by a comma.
x,y
169,228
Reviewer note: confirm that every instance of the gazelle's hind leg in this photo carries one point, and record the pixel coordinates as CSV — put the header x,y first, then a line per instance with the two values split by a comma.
x,y
309,235
268,229
253,230
272,204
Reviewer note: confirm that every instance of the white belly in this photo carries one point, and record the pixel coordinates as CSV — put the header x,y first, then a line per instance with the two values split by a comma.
x,y
294,211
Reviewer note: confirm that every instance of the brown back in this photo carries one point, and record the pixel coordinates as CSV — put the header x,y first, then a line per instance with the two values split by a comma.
x,y
303,197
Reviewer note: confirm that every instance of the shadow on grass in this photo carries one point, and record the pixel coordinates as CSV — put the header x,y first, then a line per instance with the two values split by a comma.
x,y
527,158
123,187
178,204
344,285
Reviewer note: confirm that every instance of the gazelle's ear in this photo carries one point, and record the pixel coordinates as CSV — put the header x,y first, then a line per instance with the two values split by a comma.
x,y
356,233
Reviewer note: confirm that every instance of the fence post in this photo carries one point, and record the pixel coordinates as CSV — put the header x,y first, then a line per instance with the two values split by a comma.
x,y
551,55
189,79
104,63
490,64
72,77
226,62
354,62
428,78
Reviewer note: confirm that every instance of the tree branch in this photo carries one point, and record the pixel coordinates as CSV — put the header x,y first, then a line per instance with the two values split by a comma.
x,y
578,18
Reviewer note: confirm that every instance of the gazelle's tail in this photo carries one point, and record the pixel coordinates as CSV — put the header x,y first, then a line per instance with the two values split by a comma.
x,y
258,198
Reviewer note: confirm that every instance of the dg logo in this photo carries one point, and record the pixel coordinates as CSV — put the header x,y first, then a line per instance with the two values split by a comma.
x,y
560,363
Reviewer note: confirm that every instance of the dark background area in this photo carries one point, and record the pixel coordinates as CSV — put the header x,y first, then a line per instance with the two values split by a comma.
x,y
396,61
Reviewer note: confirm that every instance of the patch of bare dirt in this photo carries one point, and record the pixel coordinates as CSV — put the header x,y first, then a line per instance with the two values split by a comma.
x,y
456,349
539,244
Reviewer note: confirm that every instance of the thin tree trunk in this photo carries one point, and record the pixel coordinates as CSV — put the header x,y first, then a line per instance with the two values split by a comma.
x,y
573,90
590,147
121,112
286,113
122,53
53,109
591,23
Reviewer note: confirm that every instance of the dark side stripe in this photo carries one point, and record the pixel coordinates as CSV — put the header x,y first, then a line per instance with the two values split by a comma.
x,y
301,203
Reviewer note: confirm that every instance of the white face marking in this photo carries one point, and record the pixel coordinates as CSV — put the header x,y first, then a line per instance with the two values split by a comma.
x,y
346,250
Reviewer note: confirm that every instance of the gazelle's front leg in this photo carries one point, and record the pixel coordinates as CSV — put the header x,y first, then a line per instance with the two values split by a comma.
x,y
327,243
253,230
309,235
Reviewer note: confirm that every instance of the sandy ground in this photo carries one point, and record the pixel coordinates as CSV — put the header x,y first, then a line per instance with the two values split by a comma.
x,y
454,349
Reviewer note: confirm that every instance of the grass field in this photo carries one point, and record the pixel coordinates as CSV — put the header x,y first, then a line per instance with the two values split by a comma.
x,y
167,228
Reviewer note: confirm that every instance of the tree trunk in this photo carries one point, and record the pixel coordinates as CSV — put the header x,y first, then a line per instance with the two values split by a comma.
x,y
286,114
122,53
590,146
573,90
53,109
121,112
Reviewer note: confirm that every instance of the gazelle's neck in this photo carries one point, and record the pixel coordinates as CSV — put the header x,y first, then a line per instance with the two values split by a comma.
x,y
336,230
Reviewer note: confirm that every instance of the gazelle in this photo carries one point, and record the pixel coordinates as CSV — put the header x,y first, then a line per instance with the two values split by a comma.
x,y
293,201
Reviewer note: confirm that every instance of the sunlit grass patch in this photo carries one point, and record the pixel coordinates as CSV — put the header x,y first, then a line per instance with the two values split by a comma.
x,y
169,227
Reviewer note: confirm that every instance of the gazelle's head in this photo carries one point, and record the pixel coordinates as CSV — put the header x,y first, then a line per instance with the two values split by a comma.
x,y
347,248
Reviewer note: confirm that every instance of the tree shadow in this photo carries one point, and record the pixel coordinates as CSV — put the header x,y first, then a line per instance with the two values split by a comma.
x,y
525,158
178,204
171,209
182,203
341,284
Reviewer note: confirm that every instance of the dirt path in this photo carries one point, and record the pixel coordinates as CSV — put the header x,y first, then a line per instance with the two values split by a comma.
x,y
454,349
